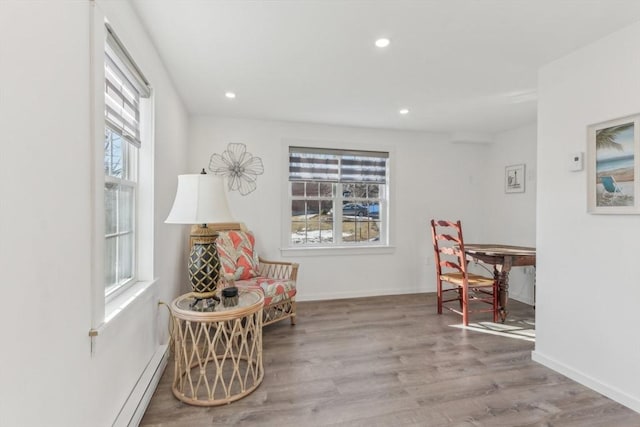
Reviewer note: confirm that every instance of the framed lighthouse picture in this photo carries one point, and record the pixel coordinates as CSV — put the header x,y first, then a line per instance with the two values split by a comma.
x,y
514,179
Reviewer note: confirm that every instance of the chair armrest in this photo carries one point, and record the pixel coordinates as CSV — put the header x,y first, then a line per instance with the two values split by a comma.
x,y
278,269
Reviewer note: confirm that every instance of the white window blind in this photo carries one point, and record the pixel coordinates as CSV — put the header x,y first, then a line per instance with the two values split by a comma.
x,y
124,86
329,165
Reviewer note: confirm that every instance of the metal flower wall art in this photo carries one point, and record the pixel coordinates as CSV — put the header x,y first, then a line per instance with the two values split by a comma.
x,y
239,167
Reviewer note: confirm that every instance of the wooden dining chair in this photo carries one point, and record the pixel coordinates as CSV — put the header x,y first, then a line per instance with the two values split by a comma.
x,y
454,282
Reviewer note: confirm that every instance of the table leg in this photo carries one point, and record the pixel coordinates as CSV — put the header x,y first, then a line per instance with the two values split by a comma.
x,y
503,285
534,286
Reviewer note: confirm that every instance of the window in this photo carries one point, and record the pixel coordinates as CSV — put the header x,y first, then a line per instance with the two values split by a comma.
x,y
125,88
338,197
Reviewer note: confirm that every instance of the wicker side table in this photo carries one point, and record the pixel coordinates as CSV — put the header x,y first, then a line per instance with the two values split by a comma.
x,y
218,354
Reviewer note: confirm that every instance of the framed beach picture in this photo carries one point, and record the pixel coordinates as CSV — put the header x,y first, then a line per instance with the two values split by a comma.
x,y
613,156
514,179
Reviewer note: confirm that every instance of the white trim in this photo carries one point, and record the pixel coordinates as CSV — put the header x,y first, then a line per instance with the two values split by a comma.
x,y
336,250
125,302
98,39
121,301
588,381
360,294
146,191
521,297
134,408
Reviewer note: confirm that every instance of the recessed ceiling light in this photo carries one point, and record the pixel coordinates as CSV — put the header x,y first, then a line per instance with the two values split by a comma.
x,y
383,42
230,95
404,111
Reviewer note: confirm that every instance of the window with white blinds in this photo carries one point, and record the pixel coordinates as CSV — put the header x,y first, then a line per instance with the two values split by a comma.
x,y
338,197
125,87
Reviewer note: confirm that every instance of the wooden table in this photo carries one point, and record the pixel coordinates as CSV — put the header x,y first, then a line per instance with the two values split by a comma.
x,y
502,257
218,354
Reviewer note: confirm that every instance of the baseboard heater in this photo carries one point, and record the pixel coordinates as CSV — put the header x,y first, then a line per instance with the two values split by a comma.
x,y
134,408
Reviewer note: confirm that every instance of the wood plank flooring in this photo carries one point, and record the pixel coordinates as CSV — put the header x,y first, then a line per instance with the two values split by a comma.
x,y
392,361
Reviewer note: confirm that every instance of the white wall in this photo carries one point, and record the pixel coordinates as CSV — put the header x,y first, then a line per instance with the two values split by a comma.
x,y
48,374
587,283
46,213
511,218
431,178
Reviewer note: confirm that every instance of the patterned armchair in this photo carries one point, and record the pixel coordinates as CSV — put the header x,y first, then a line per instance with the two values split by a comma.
x,y
242,267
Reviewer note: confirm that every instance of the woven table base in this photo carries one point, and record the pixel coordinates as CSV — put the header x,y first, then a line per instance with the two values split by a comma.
x,y
217,361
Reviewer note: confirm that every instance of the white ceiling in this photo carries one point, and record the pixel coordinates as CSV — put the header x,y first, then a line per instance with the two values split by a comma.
x,y
460,66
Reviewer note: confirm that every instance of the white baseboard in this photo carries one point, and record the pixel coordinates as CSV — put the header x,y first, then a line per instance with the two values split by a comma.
x,y
132,411
359,294
526,299
611,392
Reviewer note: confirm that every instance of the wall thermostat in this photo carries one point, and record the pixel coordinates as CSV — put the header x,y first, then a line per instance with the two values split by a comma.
x,y
576,162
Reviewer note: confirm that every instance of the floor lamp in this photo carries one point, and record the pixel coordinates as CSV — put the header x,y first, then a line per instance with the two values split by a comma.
x,y
201,199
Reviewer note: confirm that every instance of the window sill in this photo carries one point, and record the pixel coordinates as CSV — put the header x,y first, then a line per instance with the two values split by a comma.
x,y
118,304
337,250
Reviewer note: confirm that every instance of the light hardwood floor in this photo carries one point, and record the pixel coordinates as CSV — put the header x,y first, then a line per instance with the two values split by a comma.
x,y
392,361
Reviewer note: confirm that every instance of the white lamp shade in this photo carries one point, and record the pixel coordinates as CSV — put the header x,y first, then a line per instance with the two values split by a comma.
x,y
200,199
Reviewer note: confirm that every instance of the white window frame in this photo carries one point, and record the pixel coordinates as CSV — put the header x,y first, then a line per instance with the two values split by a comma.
x,y
338,199
386,241
132,184
106,308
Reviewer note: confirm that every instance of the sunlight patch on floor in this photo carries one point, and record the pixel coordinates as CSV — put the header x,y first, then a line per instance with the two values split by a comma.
x,y
519,329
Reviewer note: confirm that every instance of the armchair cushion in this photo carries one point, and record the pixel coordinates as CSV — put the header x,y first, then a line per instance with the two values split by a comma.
x,y
275,290
238,257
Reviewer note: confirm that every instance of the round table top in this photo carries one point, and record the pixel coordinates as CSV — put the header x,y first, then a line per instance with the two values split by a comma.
x,y
249,301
